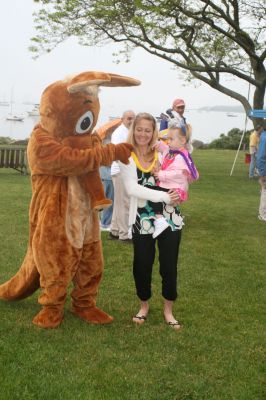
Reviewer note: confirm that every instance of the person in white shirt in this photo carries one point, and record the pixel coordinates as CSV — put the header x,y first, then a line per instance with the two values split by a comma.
x,y
119,224
139,183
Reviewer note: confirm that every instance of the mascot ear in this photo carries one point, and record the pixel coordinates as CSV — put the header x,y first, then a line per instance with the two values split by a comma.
x,y
82,81
120,80
108,128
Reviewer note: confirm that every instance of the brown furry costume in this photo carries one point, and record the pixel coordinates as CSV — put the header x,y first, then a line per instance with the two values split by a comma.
x,y
64,241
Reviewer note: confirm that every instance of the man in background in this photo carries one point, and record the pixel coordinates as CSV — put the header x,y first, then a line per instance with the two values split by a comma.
x,y
105,132
178,109
261,166
176,116
253,149
119,224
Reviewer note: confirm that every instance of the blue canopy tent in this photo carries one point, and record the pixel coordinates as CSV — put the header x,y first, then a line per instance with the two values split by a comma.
x,y
252,115
257,114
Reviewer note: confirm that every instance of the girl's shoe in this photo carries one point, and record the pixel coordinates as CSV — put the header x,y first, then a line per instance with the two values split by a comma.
x,y
160,224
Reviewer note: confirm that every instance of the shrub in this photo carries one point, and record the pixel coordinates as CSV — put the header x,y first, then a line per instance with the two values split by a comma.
x,y
231,140
5,140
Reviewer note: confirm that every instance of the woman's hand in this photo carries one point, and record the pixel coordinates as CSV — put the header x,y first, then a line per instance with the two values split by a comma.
x,y
155,174
155,170
174,197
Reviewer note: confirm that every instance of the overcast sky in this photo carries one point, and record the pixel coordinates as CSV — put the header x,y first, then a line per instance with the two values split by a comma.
x,y
28,77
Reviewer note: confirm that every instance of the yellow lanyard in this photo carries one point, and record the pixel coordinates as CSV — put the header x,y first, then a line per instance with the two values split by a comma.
x,y
140,167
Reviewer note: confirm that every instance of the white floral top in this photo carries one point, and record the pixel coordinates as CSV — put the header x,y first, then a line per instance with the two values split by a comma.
x,y
144,223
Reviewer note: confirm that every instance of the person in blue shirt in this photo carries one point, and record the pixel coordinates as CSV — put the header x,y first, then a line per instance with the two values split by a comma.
x,y
106,214
176,115
261,166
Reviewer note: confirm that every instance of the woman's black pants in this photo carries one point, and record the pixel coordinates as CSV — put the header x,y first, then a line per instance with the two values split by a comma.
x,y
144,255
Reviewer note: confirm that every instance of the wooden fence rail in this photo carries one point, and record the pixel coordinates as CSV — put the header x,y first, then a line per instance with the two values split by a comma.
x,y
14,157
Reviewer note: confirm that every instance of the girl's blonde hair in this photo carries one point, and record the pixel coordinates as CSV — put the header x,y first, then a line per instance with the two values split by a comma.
x,y
131,138
173,126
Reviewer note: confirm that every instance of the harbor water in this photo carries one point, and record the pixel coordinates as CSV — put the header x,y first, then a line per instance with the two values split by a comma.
x,y
206,125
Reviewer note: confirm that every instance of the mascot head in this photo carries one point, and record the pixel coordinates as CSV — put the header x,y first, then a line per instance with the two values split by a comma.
x,y
71,107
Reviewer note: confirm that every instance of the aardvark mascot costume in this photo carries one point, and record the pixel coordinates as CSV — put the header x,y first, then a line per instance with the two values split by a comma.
x,y
64,240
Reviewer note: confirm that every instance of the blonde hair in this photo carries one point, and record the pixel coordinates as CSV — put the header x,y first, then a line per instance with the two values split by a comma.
x,y
131,138
176,127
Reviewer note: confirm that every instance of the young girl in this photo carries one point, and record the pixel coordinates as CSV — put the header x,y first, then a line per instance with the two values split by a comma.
x,y
176,172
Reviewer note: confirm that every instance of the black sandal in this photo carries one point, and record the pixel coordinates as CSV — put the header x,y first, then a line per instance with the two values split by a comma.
x,y
140,318
174,324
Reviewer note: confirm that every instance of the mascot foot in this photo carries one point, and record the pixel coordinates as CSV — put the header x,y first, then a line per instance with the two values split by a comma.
x,y
92,315
48,318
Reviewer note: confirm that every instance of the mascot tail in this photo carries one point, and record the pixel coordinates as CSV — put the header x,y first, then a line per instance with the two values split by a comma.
x,y
24,283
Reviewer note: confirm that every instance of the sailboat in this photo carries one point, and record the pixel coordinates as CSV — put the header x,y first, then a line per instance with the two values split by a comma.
x,y
11,116
35,112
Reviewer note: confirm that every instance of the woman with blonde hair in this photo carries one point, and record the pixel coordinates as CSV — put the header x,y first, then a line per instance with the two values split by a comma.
x,y
138,180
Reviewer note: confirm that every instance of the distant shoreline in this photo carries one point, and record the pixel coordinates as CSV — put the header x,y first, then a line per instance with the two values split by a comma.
x,y
219,108
234,109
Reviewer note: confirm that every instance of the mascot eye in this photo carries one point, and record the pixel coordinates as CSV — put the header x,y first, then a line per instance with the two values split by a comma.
x,y
84,123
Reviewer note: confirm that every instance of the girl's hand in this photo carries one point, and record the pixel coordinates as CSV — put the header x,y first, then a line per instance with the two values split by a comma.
x,y
174,197
156,145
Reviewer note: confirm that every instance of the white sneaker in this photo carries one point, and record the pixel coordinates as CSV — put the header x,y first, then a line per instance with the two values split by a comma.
x,y
160,225
105,228
261,218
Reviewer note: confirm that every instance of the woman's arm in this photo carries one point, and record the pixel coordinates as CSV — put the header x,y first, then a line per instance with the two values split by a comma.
x,y
170,176
129,177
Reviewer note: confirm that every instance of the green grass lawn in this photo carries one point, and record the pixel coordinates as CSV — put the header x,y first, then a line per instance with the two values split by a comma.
x,y
218,354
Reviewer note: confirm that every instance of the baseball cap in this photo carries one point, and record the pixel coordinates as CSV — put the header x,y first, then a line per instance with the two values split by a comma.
x,y
178,102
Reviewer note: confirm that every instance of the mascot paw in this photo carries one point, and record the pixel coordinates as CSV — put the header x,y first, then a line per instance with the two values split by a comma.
x,y
101,204
123,152
48,318
92,315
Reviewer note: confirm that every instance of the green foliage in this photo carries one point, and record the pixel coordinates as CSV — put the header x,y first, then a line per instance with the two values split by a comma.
x,y
5,140
231,140
220,352
205,40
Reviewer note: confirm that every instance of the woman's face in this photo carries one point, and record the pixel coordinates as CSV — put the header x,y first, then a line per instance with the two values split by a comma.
x,y
143,132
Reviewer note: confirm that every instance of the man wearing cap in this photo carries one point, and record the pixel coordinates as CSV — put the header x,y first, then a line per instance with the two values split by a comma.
x,y
176,115
178,108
